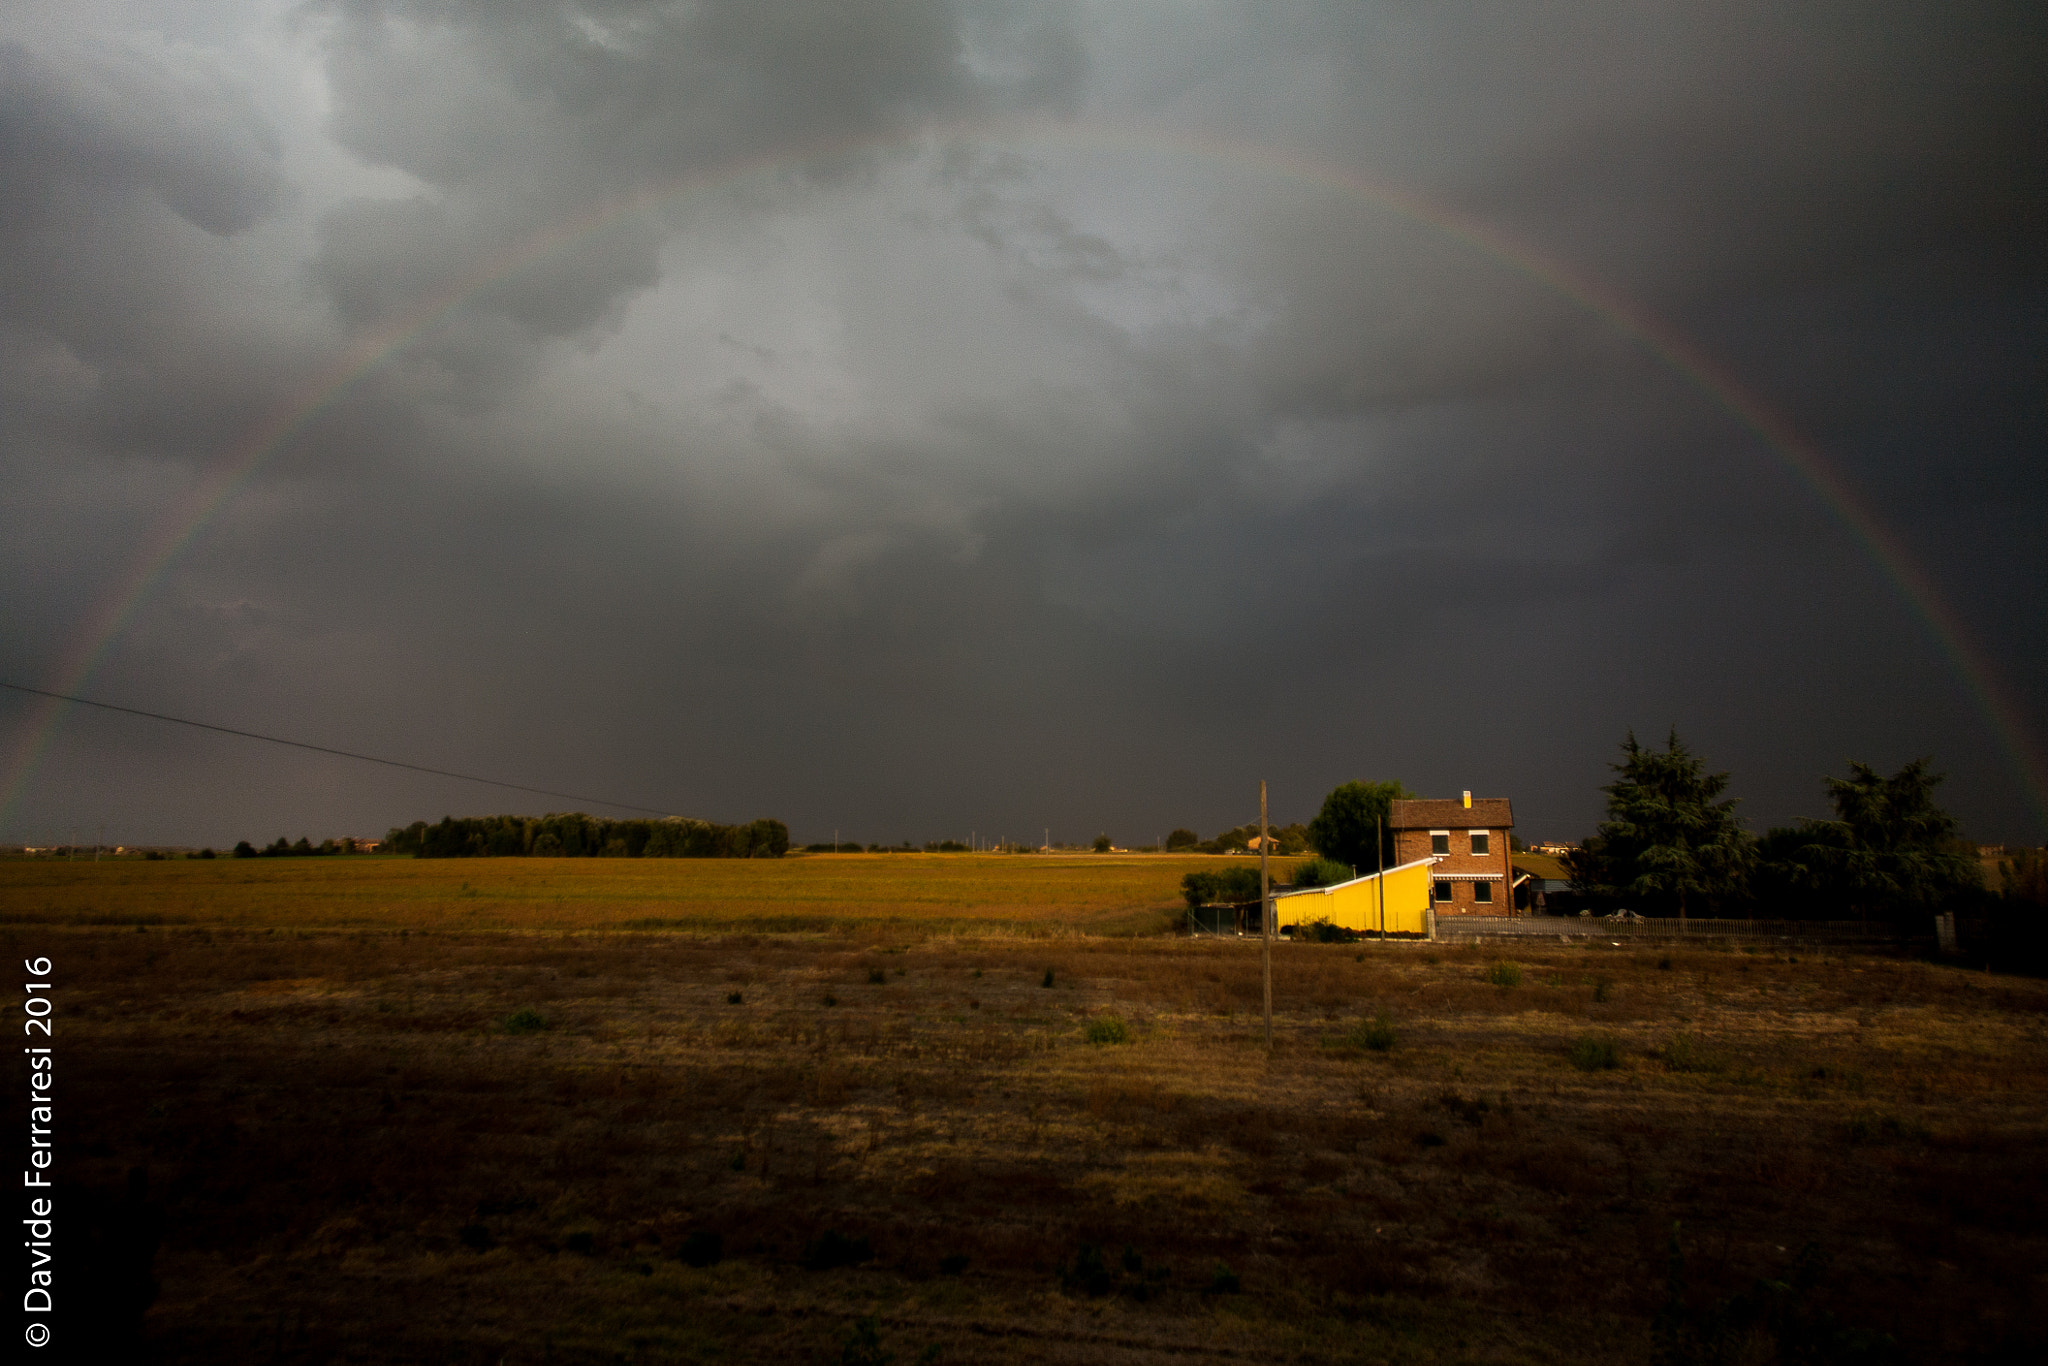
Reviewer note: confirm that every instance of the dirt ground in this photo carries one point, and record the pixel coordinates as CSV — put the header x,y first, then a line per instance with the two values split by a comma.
x,y
386,1146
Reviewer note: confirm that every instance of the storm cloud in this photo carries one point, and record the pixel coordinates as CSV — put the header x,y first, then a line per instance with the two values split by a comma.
x,y
908,419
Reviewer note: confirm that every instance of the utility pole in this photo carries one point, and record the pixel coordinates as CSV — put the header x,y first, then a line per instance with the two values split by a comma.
x,y
1379,851
1265,918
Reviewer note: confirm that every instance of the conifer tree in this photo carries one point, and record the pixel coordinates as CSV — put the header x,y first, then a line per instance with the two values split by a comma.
x,y
1671,842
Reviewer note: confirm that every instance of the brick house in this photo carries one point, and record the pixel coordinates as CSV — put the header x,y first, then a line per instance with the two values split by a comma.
x,y
1468,838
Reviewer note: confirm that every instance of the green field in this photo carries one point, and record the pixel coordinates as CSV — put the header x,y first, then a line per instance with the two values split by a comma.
x,y
909,894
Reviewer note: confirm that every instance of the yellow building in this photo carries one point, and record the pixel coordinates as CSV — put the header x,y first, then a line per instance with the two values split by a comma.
x,y
1396,902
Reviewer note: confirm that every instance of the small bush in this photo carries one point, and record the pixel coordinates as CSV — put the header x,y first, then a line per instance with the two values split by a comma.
x,y
830,1000
1505,974
833,1249
1664,963
1595,1055
527,1021
1601,988
1108,1029
1088,1273
1321,872
733,998
952,1264
476,1238
1686,1054
1376,1034
702,1248
876,977
1046,981
584,1244
863,1345
1321,931
1224,1281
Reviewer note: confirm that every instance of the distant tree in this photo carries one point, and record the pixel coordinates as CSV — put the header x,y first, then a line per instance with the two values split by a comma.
x,y
1343,829
244,849
1183,839
1891,851
1671,842
1102,844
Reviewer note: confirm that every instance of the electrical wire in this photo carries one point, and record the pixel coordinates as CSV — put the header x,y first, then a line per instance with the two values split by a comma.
x,y
323,749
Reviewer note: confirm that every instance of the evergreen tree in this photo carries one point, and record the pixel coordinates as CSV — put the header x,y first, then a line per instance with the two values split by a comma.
x,y
1890,849
1671,842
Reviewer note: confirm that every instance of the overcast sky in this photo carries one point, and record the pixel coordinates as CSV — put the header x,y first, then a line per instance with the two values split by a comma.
x,y
909,419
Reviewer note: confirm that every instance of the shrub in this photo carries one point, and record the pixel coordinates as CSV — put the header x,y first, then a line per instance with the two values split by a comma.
x,y
1108,1029
1087,1273
1505,974
832,1249
528,1021
952,1264
1601,988
1232,886
1595,1055
1685,1054
1102,844
1224,1281
733,998
876,977
1321,872
584,1244
476,1237
702,1248
1046,981
1321,931
863,1345
830,1000
1376,1034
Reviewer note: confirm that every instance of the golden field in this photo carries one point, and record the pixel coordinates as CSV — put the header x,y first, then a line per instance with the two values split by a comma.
x,y
426,1142
916,894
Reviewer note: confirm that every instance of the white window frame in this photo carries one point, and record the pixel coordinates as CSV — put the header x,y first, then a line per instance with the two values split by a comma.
x,y
1479,886
1441,893
1486,835
1445,836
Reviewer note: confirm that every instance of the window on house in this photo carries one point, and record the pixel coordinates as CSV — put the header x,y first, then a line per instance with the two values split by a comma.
x,y
1479,841
1482,892
1443,889
1439,841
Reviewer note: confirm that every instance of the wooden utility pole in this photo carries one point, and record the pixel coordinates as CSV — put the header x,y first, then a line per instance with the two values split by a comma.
x,y
1265,917
1379,852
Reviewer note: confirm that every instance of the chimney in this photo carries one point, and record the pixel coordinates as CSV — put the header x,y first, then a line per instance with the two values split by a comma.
x,y
1468,801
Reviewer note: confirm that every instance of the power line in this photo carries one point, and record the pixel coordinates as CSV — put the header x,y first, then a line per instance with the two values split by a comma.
x,y
323,749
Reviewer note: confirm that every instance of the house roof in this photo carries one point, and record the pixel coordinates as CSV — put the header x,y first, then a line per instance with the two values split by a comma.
x,y
1450,813
1279,892
1549,867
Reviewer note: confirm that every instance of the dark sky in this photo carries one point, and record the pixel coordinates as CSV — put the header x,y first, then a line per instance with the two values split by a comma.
x,y
920,418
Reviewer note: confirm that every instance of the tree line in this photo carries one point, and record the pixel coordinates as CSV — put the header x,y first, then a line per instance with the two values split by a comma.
x,y
1673,845
575,835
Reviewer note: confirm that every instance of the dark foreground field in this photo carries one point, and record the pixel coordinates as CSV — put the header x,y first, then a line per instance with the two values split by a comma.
x,y
376,1146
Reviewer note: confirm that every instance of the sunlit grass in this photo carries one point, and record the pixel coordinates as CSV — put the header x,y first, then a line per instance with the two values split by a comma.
x,y
908,894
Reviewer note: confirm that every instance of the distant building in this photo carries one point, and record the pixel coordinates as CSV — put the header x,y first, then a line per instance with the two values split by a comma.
x,y
1467,839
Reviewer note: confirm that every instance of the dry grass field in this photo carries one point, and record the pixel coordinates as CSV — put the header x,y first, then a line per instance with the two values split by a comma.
x,y
429,1142
917,894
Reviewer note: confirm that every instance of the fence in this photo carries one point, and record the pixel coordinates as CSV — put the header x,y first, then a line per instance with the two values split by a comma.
x,y
1454,929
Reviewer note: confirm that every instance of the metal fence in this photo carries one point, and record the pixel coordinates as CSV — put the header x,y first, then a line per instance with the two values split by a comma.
x,y
1565,928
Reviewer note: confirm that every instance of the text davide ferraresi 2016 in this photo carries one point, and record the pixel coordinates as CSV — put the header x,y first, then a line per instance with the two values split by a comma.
x,y
38,1305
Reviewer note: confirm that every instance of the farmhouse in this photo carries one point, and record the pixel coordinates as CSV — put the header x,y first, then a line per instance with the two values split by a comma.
x,y
1467,840
1393,902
